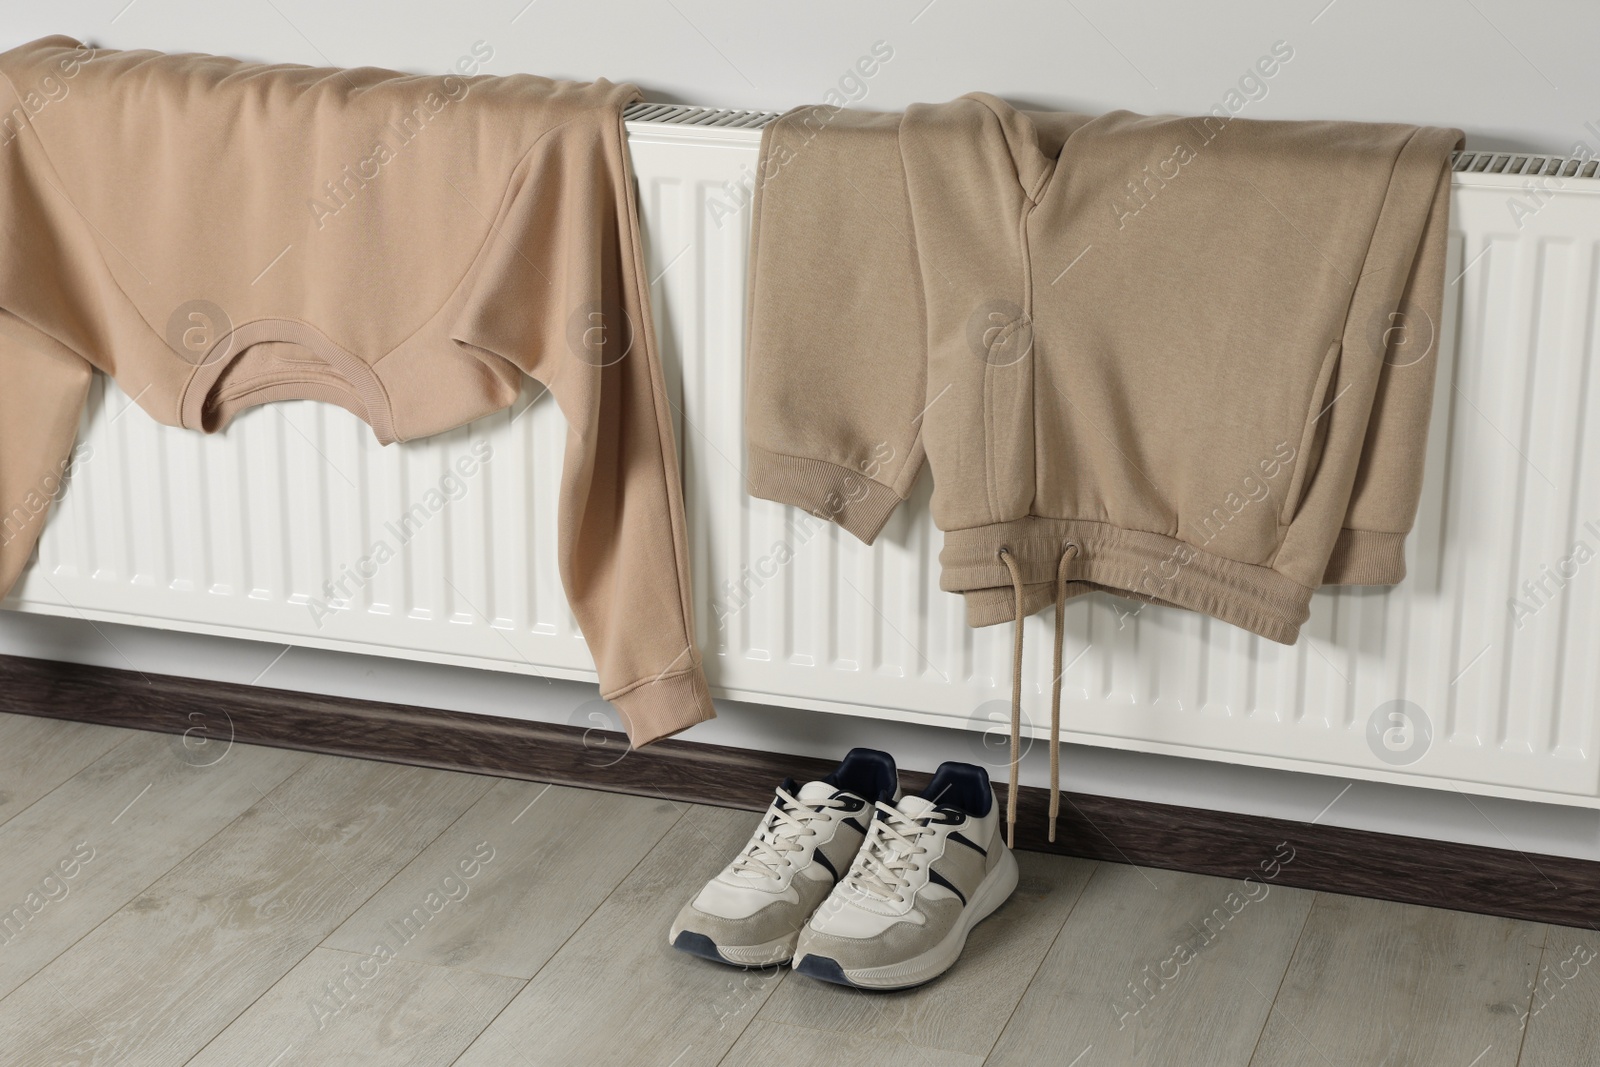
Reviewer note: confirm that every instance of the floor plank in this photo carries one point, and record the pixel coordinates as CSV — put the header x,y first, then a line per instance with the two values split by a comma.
x,y
1563,1016
36,755
97,840
965,1010
1402,985
1156,968
785,1045
161,977
617,993
350,1009
554,854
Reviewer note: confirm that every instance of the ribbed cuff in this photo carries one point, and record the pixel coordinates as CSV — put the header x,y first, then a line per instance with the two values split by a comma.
x,y
1365,557
828,491
660,708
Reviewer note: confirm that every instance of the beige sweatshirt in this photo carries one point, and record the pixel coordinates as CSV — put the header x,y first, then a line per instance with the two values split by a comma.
x,y
1200,351
216,234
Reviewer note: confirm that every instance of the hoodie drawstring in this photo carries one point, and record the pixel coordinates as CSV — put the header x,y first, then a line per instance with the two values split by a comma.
x,y
1068,552
1016,699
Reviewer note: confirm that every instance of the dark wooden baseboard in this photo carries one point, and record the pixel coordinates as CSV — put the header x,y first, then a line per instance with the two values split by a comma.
x,y
1412,870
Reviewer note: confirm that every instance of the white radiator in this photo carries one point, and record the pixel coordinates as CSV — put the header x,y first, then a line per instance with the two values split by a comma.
x,y
1441,682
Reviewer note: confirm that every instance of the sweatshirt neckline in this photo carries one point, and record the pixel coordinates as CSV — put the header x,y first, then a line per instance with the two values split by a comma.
x,y
366,394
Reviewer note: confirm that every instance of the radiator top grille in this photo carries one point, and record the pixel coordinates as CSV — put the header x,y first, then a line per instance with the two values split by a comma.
x,y
1517,163
685,115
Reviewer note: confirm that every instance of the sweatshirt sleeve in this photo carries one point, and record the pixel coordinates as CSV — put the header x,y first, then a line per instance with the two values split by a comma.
x,y
43,383
833,274
565,297
1402,339
41,400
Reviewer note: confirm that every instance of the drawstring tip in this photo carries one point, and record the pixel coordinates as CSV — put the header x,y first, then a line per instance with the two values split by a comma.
x,y
1052,830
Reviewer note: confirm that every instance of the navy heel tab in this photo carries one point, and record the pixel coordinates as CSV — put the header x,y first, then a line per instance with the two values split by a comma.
x,y
868,773
963,786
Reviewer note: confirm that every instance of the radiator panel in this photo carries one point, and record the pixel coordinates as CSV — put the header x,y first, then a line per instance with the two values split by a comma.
x,y
240,533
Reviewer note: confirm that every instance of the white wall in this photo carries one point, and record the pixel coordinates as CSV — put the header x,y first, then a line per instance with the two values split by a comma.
x,y
1512,75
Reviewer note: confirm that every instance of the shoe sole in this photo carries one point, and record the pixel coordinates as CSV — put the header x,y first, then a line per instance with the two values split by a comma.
x,y
778,953
996,889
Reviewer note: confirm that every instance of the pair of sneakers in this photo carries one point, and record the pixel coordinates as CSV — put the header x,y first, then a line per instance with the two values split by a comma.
x,y
855,884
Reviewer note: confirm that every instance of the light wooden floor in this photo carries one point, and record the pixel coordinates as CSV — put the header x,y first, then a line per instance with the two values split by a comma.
x,y
164,903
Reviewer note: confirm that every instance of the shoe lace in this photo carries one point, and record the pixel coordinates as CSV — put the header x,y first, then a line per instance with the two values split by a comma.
x,y
788,823
889,855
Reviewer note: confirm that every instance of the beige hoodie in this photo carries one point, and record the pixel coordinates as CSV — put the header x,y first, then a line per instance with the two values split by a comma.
x,y
1188,361
216,234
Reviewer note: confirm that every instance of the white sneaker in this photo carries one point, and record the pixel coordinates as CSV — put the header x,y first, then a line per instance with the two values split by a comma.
x,y
931,868
751,914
